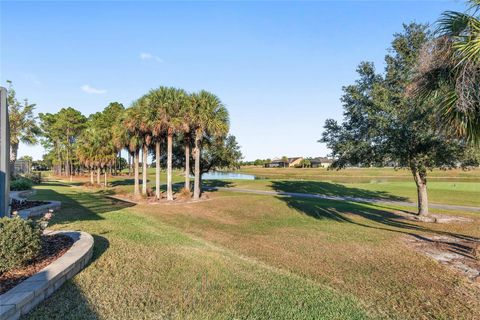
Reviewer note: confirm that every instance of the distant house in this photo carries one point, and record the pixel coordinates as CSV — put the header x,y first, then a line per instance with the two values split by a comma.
x,y
284,163
321,162
22,166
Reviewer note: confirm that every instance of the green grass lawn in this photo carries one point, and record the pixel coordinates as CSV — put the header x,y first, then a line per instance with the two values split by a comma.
x,y
456,187
242,256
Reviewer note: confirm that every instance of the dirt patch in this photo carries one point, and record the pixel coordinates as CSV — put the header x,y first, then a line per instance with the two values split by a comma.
x,y
457,253
433,217
53,247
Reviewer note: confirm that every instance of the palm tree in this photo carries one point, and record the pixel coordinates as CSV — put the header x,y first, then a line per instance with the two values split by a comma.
x,y
133,139
23,127
187,114
155,109
450,72
210,117
176,99
145,129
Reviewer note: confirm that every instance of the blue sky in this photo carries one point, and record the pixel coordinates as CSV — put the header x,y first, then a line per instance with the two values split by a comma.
x,y
278,66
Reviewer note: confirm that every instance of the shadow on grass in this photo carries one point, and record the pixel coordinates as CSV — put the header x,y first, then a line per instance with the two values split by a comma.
x,y
208,184
342,211
80,206
68,302
70,299
331,189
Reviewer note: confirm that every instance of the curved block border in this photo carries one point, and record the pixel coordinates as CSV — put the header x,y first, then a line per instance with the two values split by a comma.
x,y
34,211
25,296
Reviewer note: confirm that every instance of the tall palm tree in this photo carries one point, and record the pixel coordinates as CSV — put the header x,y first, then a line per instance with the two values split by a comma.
x,y
187,115
210,117
134,140
176,99
450,72
155,108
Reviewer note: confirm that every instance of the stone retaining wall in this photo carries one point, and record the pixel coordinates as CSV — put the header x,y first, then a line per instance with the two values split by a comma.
x,y
26,295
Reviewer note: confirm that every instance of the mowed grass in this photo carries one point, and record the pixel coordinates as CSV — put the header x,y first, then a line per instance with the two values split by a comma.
x,y
145,268
458,187
455,187
243,256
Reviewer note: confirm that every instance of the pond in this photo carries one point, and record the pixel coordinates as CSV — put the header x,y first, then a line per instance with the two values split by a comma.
x,y
222,175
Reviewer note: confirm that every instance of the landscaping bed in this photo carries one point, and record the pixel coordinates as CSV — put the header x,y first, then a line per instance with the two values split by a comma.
x,y
52,247
25,204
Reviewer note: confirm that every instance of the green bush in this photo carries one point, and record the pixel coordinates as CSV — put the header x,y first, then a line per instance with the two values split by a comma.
x,y
19,242
35,177
21,184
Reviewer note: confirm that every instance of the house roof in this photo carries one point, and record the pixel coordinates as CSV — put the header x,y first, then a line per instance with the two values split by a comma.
x,y
321,160
290,160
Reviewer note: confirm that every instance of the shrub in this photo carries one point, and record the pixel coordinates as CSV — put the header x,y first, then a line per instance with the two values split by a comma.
x,y
21,184
19,242
35,177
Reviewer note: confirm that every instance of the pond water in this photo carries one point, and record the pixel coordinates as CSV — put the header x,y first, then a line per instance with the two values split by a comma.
x,y
222,175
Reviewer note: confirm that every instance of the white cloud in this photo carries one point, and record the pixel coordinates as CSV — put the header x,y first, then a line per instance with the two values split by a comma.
x,y
89,89
149,56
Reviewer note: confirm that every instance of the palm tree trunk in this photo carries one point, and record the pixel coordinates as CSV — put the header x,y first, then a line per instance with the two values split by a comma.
x,y
144,170
91,176
136,190
157,170
196,187
169,165
187,165
98,175
129,164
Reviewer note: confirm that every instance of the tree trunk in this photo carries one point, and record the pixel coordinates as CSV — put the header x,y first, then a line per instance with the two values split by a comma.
x,y
157,170
136,190
187,165
144,170
13,157
105,177
196,186
169,165
91,176
420,178
98,175
129,164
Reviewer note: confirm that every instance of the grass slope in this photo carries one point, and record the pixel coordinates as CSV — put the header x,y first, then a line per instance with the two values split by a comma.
x,y
253,257
144,268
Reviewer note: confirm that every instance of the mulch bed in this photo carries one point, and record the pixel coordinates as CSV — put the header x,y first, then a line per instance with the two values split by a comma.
x,y
20,205
53,247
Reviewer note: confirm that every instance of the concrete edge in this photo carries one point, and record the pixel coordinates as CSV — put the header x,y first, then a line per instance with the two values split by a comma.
x,y
33,211
25,296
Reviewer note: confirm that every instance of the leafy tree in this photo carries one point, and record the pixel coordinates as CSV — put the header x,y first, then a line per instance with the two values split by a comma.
x,y
60,132
220,153
23,127
382,124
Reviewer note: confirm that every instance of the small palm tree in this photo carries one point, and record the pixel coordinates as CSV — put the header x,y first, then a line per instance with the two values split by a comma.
x,y
210,117
450,72
23,127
